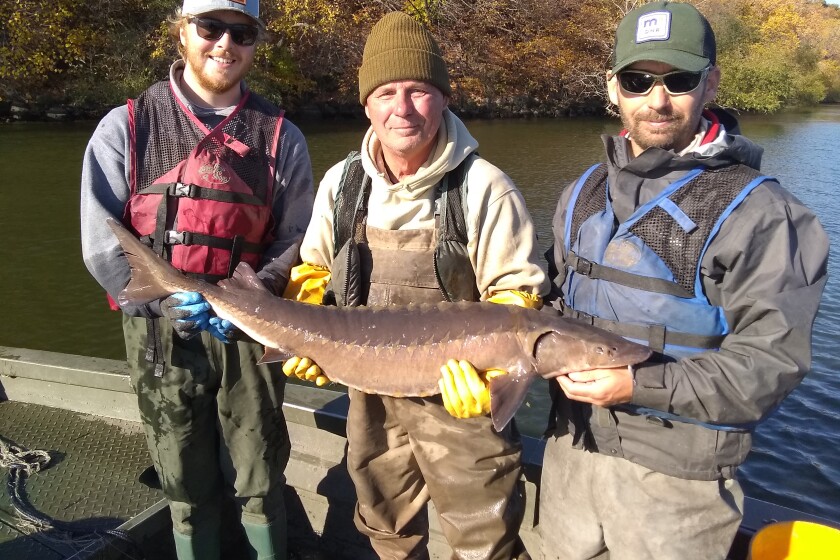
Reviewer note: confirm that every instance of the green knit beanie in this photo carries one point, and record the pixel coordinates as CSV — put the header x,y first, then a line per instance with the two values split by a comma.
x,y
400,48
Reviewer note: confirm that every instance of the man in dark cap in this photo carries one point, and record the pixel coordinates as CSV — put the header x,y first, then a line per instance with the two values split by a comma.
x,y
678,242
416,216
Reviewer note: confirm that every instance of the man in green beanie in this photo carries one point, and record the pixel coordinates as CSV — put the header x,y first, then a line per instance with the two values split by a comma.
x,y
679,242
416,216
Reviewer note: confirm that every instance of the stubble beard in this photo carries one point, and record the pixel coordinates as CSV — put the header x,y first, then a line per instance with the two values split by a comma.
x,y
678,134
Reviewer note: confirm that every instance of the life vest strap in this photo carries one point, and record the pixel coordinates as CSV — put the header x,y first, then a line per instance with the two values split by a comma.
x,y
190,190
597,271
173,237
657,337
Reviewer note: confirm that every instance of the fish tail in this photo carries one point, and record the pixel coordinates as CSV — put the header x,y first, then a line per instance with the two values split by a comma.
x,y
507,393
151,276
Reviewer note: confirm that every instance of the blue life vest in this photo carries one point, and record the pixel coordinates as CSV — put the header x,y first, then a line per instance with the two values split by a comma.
x,y
641,278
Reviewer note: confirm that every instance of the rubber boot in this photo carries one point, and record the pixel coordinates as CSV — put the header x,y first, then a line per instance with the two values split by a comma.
x,y
197,547
268,542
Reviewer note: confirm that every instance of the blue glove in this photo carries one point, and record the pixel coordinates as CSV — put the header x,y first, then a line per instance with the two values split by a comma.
x,y
189,313
221,329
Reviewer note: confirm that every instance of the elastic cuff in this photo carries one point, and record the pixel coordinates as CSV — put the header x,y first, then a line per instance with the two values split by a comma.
x,y
650,388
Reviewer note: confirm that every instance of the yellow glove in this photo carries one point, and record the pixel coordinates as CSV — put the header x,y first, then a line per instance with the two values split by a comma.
x,y
307,283
305,370
465,392
516,297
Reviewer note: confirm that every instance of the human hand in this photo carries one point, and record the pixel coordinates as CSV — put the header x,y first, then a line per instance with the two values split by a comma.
x,y
465,392
602,387
221,329
305,370
188,312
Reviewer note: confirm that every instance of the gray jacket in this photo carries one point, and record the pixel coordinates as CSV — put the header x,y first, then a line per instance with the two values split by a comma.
x,y
766,268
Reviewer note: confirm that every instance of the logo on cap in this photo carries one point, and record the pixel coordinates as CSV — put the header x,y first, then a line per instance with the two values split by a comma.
x,y
654,26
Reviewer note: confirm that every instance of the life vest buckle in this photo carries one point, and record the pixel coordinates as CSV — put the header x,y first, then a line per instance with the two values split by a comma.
x,y
185,190
172,237
583,266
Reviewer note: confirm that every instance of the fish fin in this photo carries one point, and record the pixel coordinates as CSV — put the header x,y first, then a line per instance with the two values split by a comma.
x,y
507,393
244,278
150,275
274,355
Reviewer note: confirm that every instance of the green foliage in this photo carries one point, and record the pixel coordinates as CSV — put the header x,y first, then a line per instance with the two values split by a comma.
x,y
770,53
277,76
753,82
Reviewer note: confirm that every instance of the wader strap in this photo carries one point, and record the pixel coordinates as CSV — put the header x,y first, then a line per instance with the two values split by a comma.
x,y
350,188
189,190
453,268
597,271
235,253
655,336
361,212
450,201
154,346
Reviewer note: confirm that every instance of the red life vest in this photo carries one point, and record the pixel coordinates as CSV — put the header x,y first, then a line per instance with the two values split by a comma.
x,y
202,198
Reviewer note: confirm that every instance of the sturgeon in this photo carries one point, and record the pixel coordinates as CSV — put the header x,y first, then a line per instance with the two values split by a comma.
x,y
394,350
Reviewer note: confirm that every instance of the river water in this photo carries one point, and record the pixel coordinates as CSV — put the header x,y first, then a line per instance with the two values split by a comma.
x,y
50,302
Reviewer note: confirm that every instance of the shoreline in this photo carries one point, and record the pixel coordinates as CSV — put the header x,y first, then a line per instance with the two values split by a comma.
x,y
518,108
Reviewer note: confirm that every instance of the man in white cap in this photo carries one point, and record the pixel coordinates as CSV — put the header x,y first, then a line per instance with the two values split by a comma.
x,y
208,174
677,241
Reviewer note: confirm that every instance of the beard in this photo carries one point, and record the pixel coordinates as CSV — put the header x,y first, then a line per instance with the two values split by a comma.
x,y
212,81
678,133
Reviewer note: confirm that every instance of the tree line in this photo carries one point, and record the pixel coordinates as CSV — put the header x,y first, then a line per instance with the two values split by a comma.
x,y
506,57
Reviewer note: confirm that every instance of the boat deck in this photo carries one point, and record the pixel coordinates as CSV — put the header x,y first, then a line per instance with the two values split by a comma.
x,y
84,413
90,484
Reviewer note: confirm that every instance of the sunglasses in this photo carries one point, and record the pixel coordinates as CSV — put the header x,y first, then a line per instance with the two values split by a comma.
x,y
211,29
677,82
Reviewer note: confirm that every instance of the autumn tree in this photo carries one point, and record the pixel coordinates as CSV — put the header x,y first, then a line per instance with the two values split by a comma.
x,y
78,51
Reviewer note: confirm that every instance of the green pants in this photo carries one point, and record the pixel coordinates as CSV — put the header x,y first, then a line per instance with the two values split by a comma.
x,y
214,423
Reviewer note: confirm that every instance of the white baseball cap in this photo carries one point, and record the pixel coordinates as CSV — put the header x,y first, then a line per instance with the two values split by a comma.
x,y
198,7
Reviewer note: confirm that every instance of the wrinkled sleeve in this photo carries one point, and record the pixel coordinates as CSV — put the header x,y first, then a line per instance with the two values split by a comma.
x,y
767,269
502,239
292,208
104,194
318,244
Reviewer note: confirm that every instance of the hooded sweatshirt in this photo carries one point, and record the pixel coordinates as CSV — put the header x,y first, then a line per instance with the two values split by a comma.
x,y
502,242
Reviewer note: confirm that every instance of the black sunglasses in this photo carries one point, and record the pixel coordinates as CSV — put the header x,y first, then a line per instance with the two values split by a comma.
x,y
211,29
677,82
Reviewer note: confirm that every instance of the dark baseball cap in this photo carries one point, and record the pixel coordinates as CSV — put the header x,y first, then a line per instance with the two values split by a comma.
x,y
671,32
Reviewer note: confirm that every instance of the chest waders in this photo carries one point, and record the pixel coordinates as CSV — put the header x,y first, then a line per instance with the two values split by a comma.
x,y
462,466
641,278
352,264
201,198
